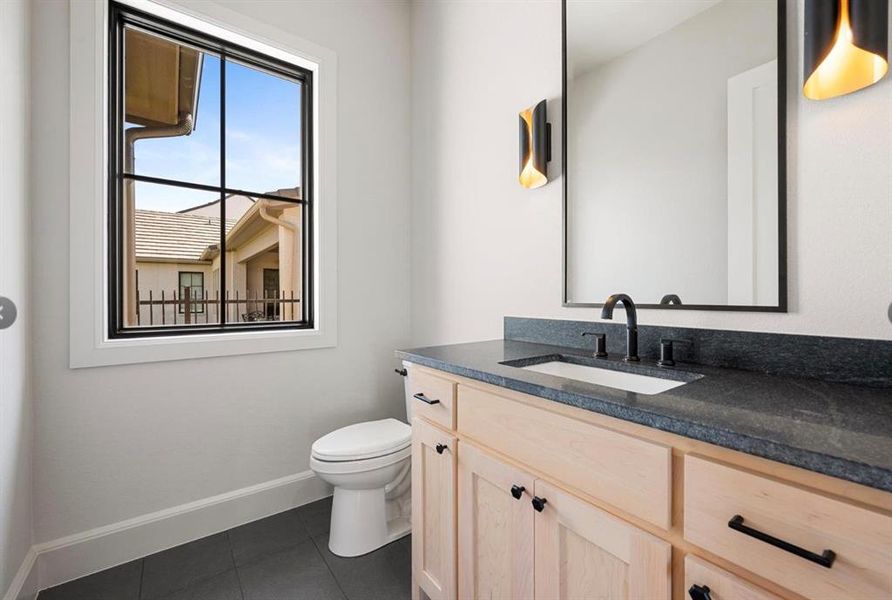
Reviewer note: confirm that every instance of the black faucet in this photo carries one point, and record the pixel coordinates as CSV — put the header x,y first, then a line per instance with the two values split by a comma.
x,y
631,322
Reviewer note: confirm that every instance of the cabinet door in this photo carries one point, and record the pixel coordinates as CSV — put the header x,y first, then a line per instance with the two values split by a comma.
x,y
433,511
495,528
584,552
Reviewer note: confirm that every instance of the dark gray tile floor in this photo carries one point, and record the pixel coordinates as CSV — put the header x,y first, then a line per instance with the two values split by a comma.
x,y
282,557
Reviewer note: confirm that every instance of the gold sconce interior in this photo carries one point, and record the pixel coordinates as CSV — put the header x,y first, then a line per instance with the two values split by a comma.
x,y
845,46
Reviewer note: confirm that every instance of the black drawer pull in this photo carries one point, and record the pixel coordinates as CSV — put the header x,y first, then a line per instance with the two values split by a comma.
x,y
539,503
699,592
825,559
423,398
440,448
401,372
517,491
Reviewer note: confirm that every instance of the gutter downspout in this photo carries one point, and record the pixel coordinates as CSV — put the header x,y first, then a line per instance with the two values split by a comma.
x,y
275,220
183,127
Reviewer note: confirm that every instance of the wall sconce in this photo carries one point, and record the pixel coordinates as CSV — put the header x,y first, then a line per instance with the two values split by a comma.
x,y
535,146
845,46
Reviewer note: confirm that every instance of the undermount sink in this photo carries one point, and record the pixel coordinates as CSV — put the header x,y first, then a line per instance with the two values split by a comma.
x,y
617,378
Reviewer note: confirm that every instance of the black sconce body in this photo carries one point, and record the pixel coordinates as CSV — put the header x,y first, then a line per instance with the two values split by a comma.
x,y
535,146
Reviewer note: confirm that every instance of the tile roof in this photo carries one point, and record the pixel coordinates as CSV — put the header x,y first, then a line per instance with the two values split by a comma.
x,y
168,236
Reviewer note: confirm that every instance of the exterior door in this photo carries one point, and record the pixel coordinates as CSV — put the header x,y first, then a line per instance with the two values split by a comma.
x,y
495,528
583,552
433,512
271,290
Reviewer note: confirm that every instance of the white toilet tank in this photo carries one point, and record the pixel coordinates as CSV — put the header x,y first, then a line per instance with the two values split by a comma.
x,y
408,395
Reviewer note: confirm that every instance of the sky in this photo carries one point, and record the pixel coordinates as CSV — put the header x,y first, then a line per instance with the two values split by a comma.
x,y
262,140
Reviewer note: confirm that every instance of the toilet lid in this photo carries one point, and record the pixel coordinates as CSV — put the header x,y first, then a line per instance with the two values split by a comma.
x,y
363,440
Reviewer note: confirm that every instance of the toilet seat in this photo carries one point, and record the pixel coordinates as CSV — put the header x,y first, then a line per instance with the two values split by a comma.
x,y
364,465
363,441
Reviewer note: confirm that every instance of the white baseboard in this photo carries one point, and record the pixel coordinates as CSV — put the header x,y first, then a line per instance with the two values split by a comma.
x,y
24,584
81,554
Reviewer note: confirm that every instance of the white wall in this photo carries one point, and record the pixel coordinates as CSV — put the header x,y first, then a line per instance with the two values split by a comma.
x,y
483,247
15,394
117,442
648,154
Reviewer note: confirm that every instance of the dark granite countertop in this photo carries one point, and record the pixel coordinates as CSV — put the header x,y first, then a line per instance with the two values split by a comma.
x,y
840,430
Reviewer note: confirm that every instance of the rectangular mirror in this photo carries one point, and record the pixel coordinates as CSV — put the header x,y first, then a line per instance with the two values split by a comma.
x,y
674,153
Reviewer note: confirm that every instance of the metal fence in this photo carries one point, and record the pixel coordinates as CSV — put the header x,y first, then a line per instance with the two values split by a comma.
x,y
198,306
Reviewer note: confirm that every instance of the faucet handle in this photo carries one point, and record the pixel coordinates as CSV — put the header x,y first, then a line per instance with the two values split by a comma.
x,y
600,343
666,348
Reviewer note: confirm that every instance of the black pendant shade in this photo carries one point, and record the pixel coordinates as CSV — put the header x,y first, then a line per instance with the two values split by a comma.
x,y
846,46
535,146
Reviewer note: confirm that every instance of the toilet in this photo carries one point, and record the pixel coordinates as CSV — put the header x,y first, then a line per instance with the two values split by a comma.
x,y
368,464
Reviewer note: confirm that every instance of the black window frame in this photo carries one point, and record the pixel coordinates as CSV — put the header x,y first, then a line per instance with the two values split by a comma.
x,y
121,16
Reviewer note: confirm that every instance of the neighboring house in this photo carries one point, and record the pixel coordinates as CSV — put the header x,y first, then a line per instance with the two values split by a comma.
x,y
236,206
178,262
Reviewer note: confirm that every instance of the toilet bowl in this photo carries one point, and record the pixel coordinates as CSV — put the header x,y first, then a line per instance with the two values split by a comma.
x,y
368,464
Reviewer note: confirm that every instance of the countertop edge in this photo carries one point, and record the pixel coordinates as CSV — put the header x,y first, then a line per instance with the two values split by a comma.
x,y
840,468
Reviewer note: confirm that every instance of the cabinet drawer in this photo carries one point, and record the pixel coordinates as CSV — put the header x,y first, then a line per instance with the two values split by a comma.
x,y
722,584
433,398
627,472
772,513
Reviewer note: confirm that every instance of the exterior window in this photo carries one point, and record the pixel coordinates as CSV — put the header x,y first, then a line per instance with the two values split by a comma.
x,y
192,292
210,192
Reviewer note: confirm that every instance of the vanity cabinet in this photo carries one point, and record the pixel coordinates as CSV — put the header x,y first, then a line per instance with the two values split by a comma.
x,y
518,497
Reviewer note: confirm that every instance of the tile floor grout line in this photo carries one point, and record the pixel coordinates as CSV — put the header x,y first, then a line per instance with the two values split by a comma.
x,y
142,571
238,576
328,566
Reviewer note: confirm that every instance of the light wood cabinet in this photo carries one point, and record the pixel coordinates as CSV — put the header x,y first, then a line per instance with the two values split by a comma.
x,y
583,552
433,512
627,512
433,398
622,470
510,549
718,584
778,523
495,527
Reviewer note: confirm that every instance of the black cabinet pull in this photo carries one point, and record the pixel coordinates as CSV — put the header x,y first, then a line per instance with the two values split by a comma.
x,y
539,503
423,398
825,559
440,447
517,491
699,592
401,372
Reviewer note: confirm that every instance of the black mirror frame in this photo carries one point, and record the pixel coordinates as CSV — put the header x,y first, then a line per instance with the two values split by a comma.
x,y
781,306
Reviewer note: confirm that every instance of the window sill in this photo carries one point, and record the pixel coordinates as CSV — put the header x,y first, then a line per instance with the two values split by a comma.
x,y
158,349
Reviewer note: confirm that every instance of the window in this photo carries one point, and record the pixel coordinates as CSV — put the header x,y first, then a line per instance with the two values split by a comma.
x,y
210,149
192,292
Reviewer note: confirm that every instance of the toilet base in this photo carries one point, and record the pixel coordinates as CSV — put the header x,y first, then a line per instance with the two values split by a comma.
x,y
359,521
